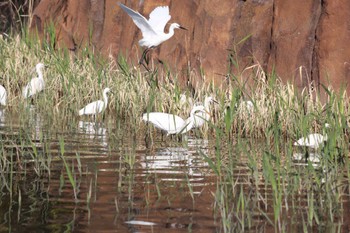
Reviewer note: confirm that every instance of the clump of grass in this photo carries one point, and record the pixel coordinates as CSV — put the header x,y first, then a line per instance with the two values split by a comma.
x,y
72,81
279,116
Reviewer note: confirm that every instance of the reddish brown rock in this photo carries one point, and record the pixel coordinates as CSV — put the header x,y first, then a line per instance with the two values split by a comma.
x,y
333,38
302,41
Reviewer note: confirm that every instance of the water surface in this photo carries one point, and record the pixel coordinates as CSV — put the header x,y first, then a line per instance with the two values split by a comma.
x,y
86,176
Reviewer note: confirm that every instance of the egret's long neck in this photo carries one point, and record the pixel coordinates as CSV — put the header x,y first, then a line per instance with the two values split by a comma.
x,y
191,119
105,99
207,105
171,31
189,122
40,73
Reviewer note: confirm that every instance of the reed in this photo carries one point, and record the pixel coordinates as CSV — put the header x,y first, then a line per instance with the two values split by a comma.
x,y
279,116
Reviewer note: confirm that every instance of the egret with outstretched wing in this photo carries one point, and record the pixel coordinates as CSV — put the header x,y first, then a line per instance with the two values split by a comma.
x,y
152,29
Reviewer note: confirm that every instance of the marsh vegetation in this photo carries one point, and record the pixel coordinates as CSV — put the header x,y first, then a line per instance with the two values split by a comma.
x,y
240,172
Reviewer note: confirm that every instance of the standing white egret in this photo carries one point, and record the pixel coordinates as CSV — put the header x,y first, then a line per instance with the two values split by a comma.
x,y
247,105
152,29
173,124
313,141
3,95
185,100
204,116
35,85
96,107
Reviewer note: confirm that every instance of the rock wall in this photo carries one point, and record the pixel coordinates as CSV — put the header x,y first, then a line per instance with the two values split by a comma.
x,y
302,41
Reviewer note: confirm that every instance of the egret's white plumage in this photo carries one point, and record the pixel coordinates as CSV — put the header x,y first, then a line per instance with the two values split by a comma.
x,y
3,95
36,84
185,100
152,29
96,107
247,105
313,141
173,124
204,116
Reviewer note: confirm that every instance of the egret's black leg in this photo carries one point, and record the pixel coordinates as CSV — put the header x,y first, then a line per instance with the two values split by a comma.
x,y
160,61
179,137
146,67
143,56
306,155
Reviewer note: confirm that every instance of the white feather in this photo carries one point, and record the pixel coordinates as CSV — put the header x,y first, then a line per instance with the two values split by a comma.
x,y
152,29
35,85
3,95
172,124
96,107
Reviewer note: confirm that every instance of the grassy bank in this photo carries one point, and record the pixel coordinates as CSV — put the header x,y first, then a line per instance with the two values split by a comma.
x,y
280,115
72,81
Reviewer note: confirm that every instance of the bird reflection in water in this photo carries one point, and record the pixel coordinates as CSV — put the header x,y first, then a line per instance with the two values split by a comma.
x,y
94,130
178,160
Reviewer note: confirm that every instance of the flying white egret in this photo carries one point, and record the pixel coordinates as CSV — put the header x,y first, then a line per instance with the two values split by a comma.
x,y
152,29
204,116
3,95
173,124
96,107
313,141
35,85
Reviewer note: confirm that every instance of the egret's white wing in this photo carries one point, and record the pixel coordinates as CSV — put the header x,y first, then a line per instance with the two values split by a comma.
x,y
26,91
92,108
140,21
158,18
312,140
164,121
34,86
3,95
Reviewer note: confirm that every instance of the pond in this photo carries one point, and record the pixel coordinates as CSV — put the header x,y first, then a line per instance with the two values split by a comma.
x,y
80,175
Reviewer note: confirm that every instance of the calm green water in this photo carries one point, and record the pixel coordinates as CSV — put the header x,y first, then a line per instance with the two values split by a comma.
x,y
113,183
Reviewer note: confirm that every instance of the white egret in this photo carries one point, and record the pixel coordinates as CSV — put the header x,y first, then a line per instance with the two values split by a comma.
x,y
185,100
3,95
35,85
173,124
152,29
204,116
96,107
313,141
247,105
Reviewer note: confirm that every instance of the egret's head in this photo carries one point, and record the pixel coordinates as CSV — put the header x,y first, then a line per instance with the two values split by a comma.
x,y
176,25
198,109
40,66
209,100
107,90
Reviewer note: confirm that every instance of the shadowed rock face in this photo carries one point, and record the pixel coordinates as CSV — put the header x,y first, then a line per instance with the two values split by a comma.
x,y
300,40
